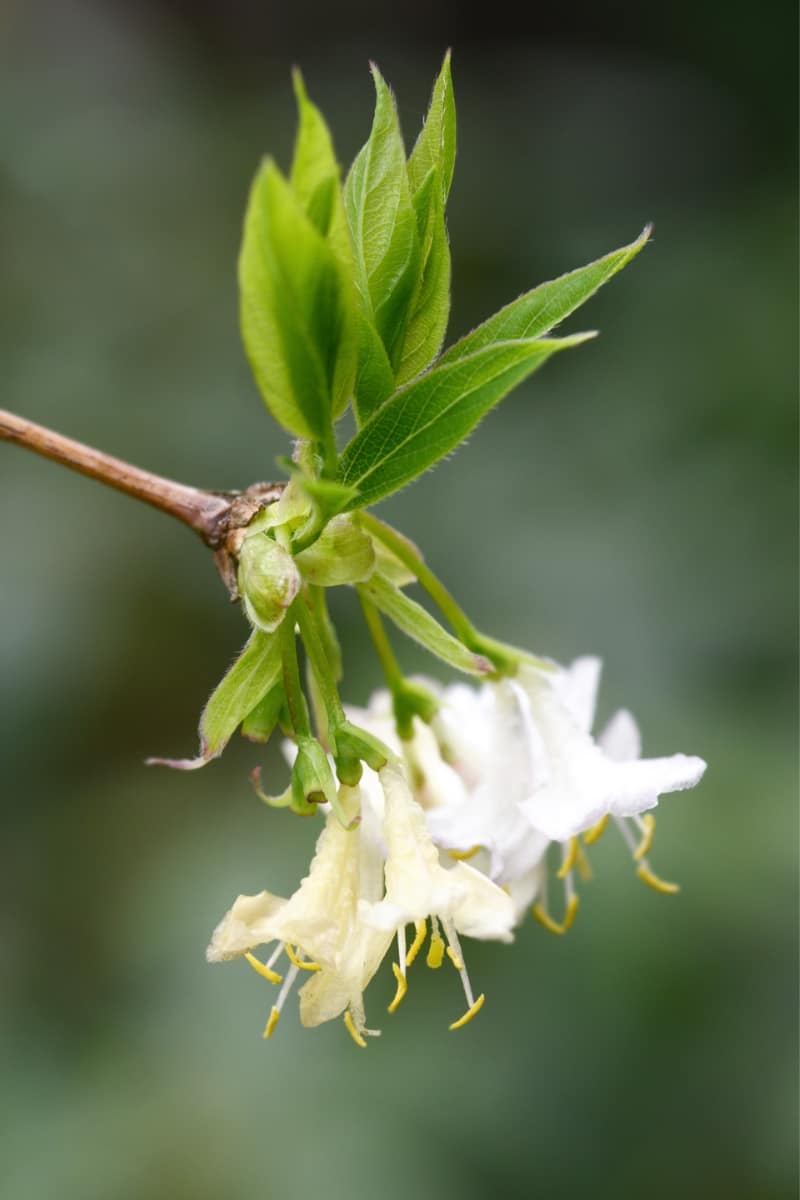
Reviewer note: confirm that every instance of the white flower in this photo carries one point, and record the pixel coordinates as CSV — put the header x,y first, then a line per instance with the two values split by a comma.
x,y
576,782
418,887
319,927
526,772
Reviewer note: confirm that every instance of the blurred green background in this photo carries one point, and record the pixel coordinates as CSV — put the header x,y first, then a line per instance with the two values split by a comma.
x,y
634,500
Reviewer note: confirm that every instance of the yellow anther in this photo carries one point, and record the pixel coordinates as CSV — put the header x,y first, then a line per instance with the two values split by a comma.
x,y
435,951
418,942
402,987
274,1017
463,855
263,969
350,1026
653,881
570,854
593,834
583,864
454,959
649,822
544,918
304,964
470,1013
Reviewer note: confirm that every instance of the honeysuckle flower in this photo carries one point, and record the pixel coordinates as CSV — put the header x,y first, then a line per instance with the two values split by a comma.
x,y
458,898
319,928
525,772
577,782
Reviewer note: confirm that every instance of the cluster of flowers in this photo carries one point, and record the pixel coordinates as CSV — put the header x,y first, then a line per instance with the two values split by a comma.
x,y
450,838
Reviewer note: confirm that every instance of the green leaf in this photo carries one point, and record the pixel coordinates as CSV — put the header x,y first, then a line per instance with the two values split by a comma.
x,y
297,310
429,417
537,312
316,180
436,144
417,623
430,307
383,227
253,674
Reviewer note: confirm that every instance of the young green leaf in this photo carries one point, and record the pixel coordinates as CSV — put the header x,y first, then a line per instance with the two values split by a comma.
x,y
253,674
383,227
436,144
316,180
297,310
537,312
430,307
417,623
429,417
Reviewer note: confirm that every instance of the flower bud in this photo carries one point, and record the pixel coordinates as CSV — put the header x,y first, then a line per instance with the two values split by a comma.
x,y
342,553
268,580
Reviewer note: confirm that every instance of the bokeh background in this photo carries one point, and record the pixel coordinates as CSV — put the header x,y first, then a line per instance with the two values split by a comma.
x,y
634,500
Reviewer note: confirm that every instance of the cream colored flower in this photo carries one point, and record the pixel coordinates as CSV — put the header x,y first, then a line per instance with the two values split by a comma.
x,y
459,898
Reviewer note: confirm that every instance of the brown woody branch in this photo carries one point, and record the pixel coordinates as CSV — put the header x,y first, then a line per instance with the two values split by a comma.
x,y
216,516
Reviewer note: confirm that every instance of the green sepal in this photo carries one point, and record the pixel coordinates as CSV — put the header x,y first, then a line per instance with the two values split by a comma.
x,y
254,673
436,144
409,700
540,310
342,553
429,417
268,580
417,623
297,310
260,722
351,746
283,800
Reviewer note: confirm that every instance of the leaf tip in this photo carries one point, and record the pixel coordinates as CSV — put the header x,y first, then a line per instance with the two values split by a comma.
x,y
299,85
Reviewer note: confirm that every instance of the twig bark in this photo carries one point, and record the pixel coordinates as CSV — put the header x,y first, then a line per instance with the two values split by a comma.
x,y
214,515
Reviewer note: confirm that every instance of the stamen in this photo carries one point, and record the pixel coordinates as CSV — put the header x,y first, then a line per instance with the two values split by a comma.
x,y
463,855
350,1026
291,975
594,833
647,825
569,852
263,969
544,918
418,942
457,959
652,880
583,864
454,959
274,1017
435,951
469,1014
436,948
305,964
402,988
401,949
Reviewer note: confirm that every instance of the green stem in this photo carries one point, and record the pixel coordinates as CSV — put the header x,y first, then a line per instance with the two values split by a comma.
x,y
409,699
380,639
504,658
405,552
295,699
317,657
